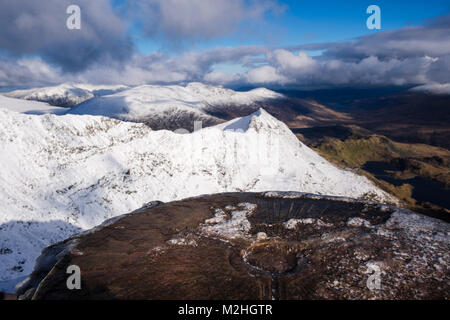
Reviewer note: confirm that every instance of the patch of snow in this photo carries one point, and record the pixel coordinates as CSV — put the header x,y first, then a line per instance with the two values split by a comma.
x,y
237,226
307,221
419,226
358,222
182,242
293,223
321,223
219,217
261,236
388,205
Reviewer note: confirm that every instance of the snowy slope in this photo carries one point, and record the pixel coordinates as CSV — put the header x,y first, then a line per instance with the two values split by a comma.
x,y
172,107
67,173
64,95
221,96
29,107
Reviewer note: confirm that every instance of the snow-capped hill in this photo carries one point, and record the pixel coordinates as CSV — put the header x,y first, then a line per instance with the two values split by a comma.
x,y
213,95
172,107
160,107
69,173
101,90
258,121
29,107
64,95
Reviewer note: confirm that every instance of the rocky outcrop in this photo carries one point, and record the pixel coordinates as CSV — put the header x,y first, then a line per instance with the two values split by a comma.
x,y
254,246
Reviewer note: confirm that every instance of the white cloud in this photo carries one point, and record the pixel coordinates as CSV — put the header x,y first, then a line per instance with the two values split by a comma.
x,y
291,63
434,88
265,75
221,78
280,67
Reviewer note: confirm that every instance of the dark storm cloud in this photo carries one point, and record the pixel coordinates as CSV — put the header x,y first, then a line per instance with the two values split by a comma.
x,y
39,28
191,20
27,72
155,68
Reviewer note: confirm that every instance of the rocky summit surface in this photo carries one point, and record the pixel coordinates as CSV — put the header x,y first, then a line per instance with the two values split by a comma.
x,y
253,246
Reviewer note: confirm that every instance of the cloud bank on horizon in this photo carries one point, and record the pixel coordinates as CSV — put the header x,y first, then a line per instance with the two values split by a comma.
x,y
37,49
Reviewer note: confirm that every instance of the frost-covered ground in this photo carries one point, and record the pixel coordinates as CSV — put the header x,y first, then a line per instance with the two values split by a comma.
x,y
64,174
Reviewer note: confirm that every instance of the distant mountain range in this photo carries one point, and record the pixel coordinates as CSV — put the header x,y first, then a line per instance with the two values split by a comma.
x,y
65,95
174,107
399,113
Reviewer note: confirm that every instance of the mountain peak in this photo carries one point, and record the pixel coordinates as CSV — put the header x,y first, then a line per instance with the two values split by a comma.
x,y
258,121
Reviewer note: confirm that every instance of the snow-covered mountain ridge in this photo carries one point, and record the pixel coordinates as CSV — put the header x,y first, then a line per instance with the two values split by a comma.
x,y
172,106
69,173
65,95
159,106
29,107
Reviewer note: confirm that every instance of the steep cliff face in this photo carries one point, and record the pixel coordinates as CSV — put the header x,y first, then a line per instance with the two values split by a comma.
x,y
272,245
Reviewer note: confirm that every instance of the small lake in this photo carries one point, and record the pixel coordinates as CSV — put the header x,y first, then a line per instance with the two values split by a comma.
x,y
425,190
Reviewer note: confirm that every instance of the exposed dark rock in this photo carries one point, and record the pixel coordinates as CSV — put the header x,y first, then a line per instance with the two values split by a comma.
x,y
255,246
